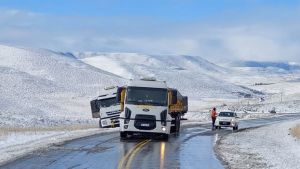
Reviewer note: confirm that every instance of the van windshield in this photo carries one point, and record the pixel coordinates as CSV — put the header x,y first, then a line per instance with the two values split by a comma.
x,y
147,96
226,114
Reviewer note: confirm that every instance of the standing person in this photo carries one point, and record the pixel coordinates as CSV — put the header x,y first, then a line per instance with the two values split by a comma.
x,y
213,117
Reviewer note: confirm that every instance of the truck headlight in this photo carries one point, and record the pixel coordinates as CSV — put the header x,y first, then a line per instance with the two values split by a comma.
x,y
126,121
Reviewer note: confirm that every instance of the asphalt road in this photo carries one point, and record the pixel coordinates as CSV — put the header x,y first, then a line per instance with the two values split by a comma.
x,y
192,148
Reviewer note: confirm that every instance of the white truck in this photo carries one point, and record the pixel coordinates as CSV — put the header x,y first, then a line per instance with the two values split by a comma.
x,y
106,108
150,107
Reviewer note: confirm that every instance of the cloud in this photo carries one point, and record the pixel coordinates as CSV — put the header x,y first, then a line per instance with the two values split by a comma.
x,y
216,39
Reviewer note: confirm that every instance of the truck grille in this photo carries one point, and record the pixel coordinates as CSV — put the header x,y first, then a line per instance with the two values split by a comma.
x,y
114,117
113,113
145,122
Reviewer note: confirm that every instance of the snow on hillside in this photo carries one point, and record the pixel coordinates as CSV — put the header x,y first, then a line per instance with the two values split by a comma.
x,y
193,76
263,75
279,66
43,88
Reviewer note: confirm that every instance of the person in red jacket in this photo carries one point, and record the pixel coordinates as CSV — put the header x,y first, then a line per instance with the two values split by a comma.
x,y
213,115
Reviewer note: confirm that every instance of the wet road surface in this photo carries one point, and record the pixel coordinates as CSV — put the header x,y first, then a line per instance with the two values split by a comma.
x,y
192,148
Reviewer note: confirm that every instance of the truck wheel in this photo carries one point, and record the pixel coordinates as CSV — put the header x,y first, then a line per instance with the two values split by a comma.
x,y
177,124
123,134
165,136
173,128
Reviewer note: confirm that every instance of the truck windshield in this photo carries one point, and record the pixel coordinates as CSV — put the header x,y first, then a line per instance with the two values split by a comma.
x,y
107,102
147,96
226,114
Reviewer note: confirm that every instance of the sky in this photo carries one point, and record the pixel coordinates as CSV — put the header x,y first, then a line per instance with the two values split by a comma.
x,y
220,30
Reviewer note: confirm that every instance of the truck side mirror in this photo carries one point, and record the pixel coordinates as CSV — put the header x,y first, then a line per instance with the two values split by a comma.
x,y
174,97
119,93
185,103
95,107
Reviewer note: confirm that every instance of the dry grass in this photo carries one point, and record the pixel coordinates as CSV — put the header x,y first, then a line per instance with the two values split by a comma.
x,y
8,130
295,131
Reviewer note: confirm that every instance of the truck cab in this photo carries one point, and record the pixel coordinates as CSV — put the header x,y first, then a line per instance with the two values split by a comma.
x,y
146,107
106,108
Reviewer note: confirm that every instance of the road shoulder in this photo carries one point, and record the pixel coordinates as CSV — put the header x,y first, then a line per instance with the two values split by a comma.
x,y
270,146
15,145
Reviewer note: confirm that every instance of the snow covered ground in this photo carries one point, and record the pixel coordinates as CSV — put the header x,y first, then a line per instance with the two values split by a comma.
x,y
45,94
192,75
209,85
271,147
44,98
16,144
42,88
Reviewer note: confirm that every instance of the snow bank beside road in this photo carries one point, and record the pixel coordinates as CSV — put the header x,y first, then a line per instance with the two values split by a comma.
x,y
266,147
205,116
279,107
17,144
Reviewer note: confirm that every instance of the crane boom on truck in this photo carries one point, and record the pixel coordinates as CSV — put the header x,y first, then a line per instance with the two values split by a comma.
x,y
150,107
106,108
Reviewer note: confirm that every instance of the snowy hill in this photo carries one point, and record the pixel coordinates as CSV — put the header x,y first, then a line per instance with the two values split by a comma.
x,y
41,87
194,76
279,66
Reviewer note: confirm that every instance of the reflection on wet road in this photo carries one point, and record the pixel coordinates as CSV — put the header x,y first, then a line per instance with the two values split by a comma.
x,y
126,161
192,148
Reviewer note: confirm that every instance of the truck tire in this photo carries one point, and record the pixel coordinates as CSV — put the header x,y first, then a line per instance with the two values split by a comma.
x,y
173,128
165,136
123,134
177,124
